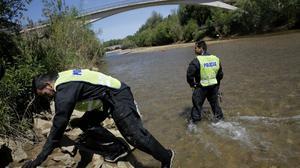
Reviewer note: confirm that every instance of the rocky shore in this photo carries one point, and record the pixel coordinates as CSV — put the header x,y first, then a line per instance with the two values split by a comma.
x,y
15,152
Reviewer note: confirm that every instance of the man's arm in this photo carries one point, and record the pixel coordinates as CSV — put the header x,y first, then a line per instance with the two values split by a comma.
x,y
220,74
65,101
192,72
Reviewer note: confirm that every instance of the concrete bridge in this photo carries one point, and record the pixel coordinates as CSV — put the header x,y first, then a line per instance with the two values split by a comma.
x,y
93,15
106,11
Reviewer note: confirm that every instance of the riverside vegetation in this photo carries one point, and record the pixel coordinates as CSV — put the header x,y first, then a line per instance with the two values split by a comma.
x,y
192,22
66,43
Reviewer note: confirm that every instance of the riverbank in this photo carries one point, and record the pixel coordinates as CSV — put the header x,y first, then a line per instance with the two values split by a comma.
x,y
260,101
260,93
15,152
190,44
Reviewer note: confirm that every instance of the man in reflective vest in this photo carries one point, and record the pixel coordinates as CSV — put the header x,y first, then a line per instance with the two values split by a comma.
x,y
204,74
71,86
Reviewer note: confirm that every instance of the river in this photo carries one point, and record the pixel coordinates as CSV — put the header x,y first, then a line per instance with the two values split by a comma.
x,y
260,101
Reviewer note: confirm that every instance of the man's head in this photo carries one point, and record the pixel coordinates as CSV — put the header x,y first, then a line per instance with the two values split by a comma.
x,y
44,84
200,47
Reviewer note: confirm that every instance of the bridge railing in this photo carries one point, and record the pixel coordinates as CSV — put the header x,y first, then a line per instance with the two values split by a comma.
x,y
112,5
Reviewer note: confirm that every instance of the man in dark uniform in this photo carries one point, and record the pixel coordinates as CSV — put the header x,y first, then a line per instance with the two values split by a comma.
x,y
71,86
204,75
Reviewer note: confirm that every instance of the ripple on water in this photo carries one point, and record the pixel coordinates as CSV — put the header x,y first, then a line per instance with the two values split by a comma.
x,y
232,130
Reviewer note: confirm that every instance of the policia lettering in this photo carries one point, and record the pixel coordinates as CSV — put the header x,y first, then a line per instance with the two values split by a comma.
x,y
86,75
209,67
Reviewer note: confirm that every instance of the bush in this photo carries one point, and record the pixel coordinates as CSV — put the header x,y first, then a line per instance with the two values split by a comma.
x,y
199,35
161,34
220,23
175,29
192,22
144,38
66,43
189,31
127,43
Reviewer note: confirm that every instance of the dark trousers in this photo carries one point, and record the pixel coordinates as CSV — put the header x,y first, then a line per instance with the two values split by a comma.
x,y
95,137
130,126
199,96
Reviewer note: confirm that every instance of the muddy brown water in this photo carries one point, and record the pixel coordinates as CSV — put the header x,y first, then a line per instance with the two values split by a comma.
x,y
261,93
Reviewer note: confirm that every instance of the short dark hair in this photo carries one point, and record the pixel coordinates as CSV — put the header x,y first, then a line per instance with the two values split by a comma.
x,y
40,81
201,44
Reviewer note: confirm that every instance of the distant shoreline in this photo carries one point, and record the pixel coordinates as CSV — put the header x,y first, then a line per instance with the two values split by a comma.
x,y
190,44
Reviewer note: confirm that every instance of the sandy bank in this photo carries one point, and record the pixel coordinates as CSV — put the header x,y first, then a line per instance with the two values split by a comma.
x,y
190,44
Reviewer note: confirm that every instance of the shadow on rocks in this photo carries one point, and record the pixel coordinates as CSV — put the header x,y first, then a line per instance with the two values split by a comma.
x,y
6,156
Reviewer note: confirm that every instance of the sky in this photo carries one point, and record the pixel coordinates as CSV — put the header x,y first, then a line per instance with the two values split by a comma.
x,y
113,27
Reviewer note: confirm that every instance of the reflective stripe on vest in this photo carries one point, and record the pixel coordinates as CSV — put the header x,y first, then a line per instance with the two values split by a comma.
x,y
85,75
209,67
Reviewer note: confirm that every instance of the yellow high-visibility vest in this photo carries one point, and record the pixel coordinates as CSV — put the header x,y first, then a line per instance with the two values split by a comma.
x,y
209,67
85,75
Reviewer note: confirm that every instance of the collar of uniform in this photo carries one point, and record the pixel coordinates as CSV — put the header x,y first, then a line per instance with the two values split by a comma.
x,y
205,53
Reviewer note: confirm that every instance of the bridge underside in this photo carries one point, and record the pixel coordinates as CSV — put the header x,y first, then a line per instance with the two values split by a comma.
x,y
103,13
96,15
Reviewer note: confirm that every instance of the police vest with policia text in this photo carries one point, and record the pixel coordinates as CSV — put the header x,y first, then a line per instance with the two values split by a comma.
x,y
209,67
85,75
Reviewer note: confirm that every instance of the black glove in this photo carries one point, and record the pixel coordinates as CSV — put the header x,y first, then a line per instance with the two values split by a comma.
x,y
31,164
194,85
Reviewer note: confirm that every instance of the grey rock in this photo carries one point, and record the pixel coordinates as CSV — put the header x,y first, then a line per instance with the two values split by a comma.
x,y
66,159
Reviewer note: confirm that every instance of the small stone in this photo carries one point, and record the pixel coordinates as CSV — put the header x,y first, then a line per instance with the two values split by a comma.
x,y
122,164
97,161
67,149
46,132
66,159
18,152
108,165
109,123
42,124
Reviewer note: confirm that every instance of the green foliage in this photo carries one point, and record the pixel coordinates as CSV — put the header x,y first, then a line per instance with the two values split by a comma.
x,y
193,22
158,31
161,34
144,38
66,43
128,43
175,29
264,15
190,30
152,21
193,12
10,12
15,89
112,42
71,44
220,22
200,34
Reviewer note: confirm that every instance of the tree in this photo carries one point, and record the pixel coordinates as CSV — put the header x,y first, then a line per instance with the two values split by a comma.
x,y
66,43
152,21
196,12
175,29
11,12
220,23
190,30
